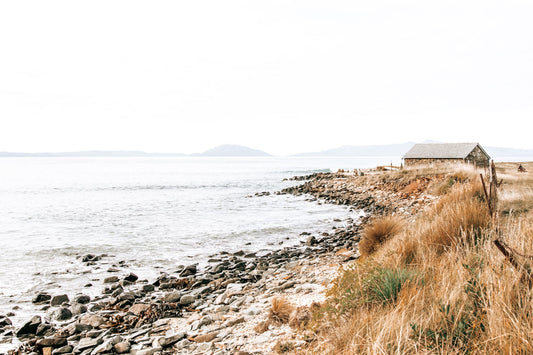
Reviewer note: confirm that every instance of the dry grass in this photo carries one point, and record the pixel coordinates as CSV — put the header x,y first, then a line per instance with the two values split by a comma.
x,y
281,310
377,232
460,294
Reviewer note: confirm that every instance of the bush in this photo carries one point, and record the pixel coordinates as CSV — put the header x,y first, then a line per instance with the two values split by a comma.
x,y
366,286
281,311
377,232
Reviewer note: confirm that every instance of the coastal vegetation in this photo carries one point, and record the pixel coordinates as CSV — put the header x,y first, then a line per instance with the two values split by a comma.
x,y
434,281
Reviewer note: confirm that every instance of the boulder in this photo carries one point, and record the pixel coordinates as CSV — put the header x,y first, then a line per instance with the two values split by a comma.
x,y
63,350
187,300
41,298
131,277
83,299
30,327
111,279
122,347
54,342
93,320
172,297
59,300
62,313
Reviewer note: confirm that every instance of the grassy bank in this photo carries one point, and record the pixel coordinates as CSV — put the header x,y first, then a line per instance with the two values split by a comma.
x,y
434,282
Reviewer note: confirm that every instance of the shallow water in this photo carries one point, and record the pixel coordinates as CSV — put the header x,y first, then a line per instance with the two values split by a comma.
x,y
151,213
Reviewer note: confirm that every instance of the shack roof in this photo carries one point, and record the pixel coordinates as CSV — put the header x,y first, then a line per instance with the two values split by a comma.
x,y
441,151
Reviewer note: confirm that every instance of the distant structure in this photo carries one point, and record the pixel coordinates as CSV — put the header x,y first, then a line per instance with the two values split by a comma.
x,y
431,153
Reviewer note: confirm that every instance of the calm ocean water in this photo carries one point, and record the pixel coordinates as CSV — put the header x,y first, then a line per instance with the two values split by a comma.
x,y
151,213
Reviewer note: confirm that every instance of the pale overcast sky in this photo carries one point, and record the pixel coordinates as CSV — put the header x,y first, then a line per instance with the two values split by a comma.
x,y
281,76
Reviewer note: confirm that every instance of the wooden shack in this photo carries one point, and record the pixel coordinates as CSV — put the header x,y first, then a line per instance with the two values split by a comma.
x,y
432,153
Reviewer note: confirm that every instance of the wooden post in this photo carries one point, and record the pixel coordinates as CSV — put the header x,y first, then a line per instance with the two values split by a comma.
x,y
493,187
486,194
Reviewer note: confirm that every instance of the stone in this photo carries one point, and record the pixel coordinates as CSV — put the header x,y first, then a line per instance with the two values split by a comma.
x,y
59,300
122,347
4,321
43,329
87,343
30,327
189,271
111,279
105,347
172,297
93,320
311,241
131,277
138,308
78,309
83,299
148,288
187,300
54,342
77,328
62,350
62,314
41,297
205,337
149,351
169,340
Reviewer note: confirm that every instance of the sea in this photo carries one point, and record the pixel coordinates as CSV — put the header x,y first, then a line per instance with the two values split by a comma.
x,y
147,216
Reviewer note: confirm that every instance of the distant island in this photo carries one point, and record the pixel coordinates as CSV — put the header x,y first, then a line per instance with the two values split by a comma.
x,y
233,150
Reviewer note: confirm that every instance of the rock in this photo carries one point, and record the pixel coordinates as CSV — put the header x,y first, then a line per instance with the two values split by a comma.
x,y
232,322
131,277
148,288
63,350
105,347
172,297
90,257
93,320
4,321
252,311
111,279
126,296
205,321
42,329
76,328
87,343
311,241
169,340
54,342
78,309
59,300
138,308
149,351
221,298
41,297
62,314
83,299
205,337
30,327
122,347
189,270
187,300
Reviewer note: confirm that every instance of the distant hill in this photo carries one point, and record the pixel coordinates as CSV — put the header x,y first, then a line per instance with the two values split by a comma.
x,y
231,150
364,150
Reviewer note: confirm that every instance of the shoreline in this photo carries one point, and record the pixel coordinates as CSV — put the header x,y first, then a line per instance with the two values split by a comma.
x,y
216,310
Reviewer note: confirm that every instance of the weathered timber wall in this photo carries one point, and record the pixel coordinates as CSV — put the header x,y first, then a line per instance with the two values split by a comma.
x,y
478,157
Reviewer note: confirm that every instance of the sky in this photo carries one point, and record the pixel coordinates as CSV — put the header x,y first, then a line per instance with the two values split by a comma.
x,y
281,76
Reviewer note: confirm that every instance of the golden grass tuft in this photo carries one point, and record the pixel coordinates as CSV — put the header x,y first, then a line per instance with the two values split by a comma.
x,y
281,310
464,297
377,232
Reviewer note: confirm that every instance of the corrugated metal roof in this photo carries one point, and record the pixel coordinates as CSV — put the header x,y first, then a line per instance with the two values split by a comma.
x,y
440,151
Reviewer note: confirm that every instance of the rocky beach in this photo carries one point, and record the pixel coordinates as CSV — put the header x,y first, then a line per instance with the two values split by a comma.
x,y
226,307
